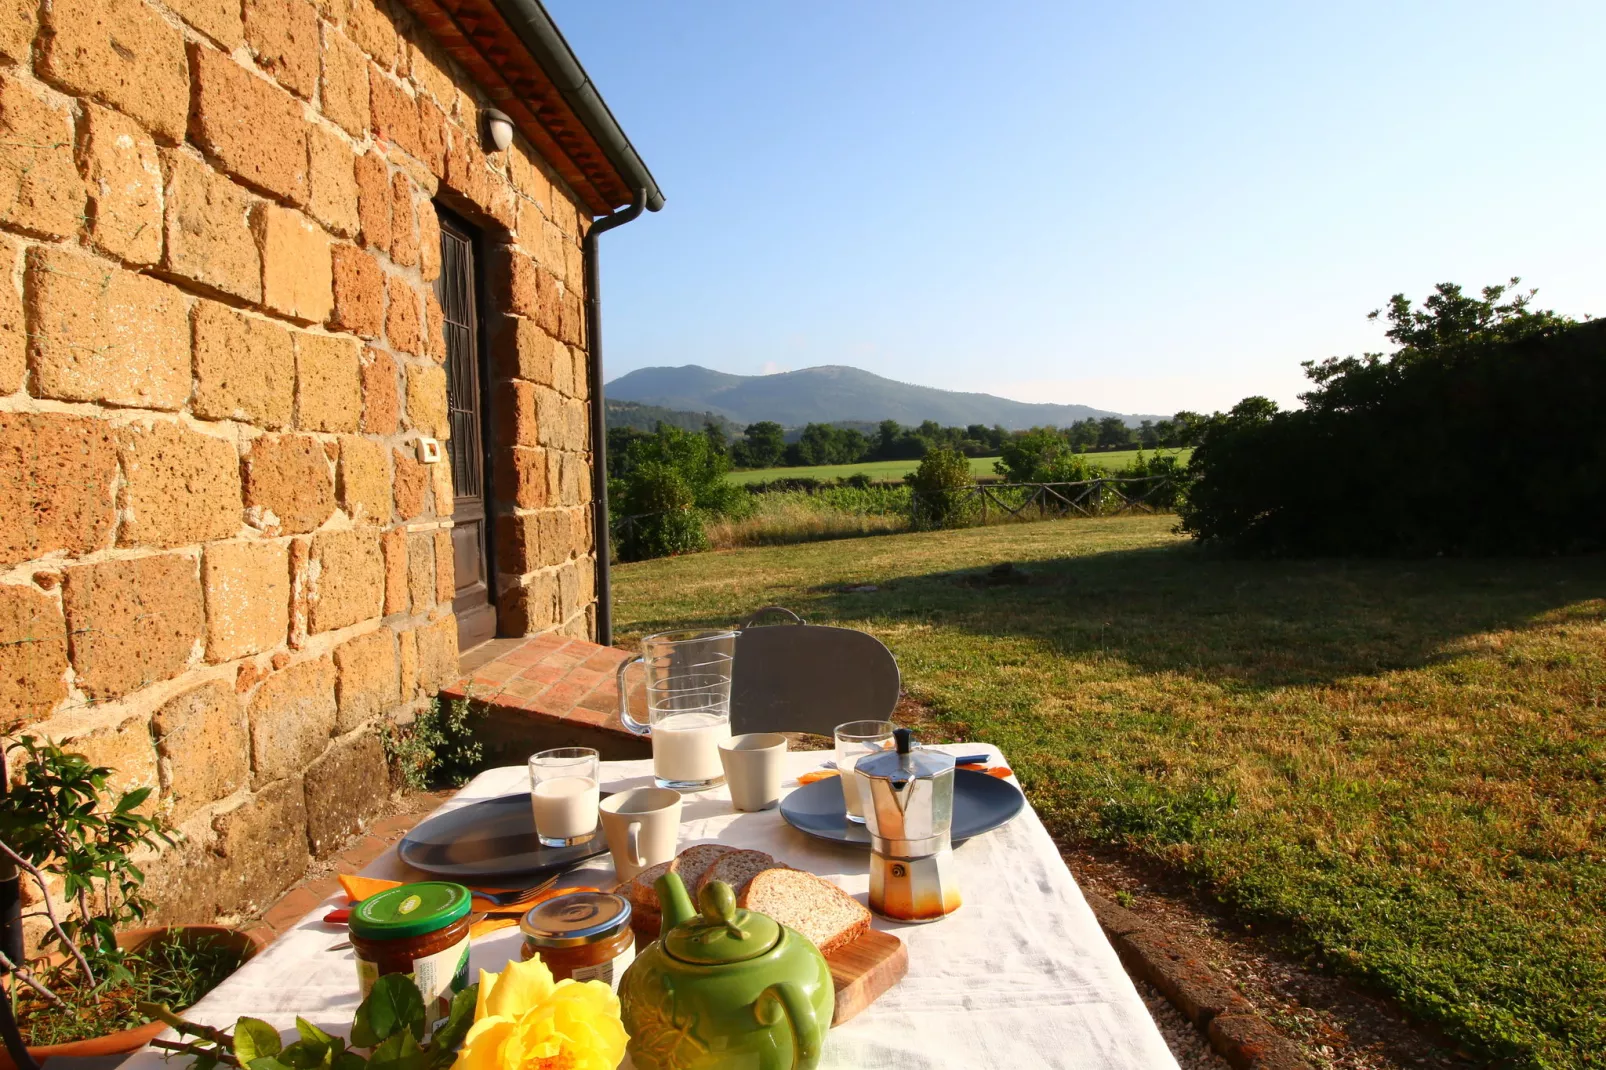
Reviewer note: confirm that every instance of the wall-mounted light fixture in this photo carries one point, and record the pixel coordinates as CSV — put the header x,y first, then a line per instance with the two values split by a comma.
x,y
498,129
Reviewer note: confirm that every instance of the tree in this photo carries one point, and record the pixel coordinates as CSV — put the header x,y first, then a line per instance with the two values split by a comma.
x,y
673,481
1114,434
764,443
1042,455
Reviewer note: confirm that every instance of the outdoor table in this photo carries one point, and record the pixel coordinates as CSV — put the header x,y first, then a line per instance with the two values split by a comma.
x,y
1020,976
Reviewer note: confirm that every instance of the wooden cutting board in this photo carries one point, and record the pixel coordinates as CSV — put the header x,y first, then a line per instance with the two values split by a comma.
x,y
864,969
861,971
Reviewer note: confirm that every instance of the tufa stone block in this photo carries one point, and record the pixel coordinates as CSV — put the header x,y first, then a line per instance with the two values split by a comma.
x,y
207,222
432,136
218,19
403,228
429,242
411,486
373,200
247,586
394,113
345,83
126,749
123,53
332,181
328,382
370,25
123,172
523,472
104,334
445,568
254,128
56,475
408,660
434,328
440,476
245,368
345,787
40,190
359,292
368,681
393,544
283,35
33,656
381,403
19,24
437,654
287,483
401,317
179,486
292,716
420,570
203,748
132,622
426,400
348,582
297,269
513,420
364,480
13,323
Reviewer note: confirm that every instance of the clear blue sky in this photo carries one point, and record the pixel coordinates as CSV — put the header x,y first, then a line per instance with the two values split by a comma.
x,y
1142,207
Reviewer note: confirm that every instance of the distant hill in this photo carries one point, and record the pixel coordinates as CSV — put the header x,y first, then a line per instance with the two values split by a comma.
x,y
832,394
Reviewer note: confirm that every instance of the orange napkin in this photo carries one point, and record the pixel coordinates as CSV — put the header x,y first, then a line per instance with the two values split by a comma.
x,y
818,774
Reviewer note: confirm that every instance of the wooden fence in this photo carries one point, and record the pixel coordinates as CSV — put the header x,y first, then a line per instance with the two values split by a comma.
x,y
1104,496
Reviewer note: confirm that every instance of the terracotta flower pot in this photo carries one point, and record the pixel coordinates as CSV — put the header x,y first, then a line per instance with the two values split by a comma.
x,y
129,1040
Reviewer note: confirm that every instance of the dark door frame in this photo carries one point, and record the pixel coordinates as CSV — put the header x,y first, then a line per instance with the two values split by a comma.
x,y
476,619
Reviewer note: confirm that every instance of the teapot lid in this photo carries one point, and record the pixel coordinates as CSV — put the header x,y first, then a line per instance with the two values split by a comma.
x,y
722,932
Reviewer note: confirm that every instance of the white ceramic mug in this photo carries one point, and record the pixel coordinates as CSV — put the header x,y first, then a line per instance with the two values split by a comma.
x,y
642,826
753,769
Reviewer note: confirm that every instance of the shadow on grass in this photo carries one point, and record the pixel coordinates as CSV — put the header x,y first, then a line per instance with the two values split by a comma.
x,y
1230,621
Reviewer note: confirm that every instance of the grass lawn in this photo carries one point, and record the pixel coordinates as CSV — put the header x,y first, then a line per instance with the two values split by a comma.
x,y
880,470
1402,765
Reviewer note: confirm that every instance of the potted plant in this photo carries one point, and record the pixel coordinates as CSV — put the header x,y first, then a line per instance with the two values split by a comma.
x,y
81,994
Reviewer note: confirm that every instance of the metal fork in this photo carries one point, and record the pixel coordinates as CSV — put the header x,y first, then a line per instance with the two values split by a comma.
x,y
516,896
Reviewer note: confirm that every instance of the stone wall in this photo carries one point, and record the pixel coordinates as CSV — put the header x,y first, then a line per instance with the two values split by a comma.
x,y
222,566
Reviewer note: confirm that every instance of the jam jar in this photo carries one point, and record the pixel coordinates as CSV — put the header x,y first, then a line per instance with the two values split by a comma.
x,y
584,936
418,929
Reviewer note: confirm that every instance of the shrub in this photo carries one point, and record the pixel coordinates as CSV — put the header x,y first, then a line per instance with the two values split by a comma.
x,y
439,748
1495,407
941,486
1043,455
674,481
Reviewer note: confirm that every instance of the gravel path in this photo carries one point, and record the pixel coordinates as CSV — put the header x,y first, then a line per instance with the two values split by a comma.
x,y
1187,1044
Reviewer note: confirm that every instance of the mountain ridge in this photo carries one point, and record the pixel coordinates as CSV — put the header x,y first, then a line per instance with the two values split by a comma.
x,y
831,393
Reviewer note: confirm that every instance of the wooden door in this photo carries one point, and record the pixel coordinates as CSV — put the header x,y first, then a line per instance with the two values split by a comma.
x,y
458,290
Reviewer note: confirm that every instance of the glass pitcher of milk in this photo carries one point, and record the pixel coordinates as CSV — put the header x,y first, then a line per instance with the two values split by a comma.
x,y
688,686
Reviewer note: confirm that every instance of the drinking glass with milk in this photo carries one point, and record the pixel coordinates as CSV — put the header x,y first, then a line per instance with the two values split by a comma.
x,y
688,715
564,795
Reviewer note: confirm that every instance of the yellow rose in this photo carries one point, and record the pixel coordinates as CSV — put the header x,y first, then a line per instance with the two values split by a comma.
x,y
523,1021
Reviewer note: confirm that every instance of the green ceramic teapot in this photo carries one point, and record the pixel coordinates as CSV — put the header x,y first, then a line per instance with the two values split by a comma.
x,y
724,989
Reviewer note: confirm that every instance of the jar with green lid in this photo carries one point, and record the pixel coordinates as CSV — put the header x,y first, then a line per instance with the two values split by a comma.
x,y
418,929
582,936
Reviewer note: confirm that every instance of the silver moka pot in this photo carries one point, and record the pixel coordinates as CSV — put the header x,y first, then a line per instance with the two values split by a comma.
x,y
908,802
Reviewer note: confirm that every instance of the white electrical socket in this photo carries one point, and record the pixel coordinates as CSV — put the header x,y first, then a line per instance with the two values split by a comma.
x,y
429,450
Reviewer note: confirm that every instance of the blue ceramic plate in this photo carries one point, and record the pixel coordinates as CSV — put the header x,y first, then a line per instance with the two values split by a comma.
x,y
981,804
488,841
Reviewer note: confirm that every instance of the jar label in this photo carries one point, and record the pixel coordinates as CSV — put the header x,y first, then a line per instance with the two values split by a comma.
x,y
439,977
608,972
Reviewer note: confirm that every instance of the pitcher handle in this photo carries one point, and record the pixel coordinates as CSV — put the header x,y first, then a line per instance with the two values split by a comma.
x,y
630,723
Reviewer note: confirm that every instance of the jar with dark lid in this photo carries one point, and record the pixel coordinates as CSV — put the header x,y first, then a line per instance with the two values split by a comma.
x,y
418,929
583,936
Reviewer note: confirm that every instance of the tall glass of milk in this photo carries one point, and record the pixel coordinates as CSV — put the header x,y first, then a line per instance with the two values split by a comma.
x,y
564,795
687,705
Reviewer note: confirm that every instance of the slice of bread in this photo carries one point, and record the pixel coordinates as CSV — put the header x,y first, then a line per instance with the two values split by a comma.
x,y
736,869
828,916
690,864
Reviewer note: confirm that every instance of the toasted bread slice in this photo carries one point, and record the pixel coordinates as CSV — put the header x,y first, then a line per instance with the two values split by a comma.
x,y
824,913
690,864
736,869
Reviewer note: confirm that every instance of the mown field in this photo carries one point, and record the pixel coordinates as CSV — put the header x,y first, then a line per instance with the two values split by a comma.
x,y
1113,461
1400,764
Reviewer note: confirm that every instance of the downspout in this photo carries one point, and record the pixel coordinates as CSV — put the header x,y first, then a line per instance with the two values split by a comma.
x,y
601,543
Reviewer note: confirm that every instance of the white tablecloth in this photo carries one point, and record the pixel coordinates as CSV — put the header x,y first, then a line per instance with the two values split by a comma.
x,y
1021,976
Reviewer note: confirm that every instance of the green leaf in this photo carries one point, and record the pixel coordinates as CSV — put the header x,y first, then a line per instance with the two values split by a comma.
x,y
394,1005
254,1039
400,1052
204,1061
266,1062
304,1054
309,1031
449,1037
349,1060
